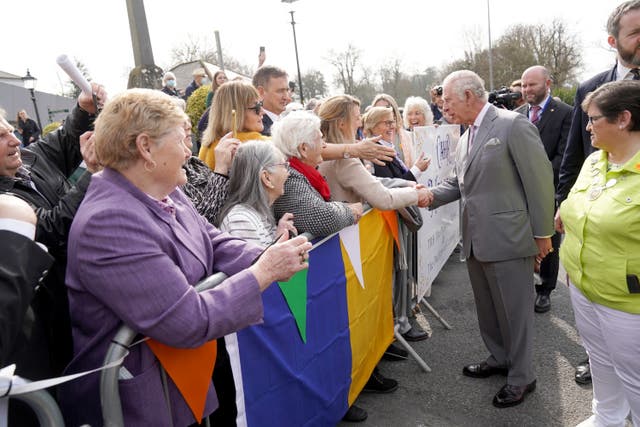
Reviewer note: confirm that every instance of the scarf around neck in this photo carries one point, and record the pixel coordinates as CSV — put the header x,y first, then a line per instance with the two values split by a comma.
x,y
314,177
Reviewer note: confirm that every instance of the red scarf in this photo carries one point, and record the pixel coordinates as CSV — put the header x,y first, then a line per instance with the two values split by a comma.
x,y
316,180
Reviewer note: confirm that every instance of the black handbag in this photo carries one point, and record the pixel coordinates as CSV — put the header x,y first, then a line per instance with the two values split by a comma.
x,y
411,217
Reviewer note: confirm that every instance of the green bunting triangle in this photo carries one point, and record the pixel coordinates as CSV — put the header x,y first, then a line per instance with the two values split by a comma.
x,y
295,293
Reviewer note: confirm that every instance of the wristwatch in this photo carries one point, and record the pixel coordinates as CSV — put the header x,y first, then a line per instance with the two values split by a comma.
x,y
346,154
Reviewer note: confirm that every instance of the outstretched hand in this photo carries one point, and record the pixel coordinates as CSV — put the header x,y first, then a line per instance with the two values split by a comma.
x,y
369,149
281,261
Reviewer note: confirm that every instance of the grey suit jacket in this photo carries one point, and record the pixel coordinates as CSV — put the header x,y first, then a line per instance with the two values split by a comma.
x,y
506,188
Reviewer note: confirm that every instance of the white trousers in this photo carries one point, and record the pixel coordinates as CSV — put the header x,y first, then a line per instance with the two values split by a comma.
x,y
612,340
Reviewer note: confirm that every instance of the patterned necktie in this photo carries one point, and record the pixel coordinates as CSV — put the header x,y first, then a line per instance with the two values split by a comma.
x,y
535,114
636,73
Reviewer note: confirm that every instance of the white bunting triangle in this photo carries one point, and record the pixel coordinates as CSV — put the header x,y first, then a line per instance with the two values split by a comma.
x,y
350,237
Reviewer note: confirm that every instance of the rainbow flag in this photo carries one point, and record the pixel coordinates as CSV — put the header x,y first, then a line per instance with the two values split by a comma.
x,y
323,333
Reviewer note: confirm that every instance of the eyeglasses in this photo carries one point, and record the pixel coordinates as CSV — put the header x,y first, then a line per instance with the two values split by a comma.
x,y
388,123
256,108
285,164
595,118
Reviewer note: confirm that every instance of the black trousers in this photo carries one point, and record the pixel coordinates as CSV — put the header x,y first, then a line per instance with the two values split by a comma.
x,y
549,267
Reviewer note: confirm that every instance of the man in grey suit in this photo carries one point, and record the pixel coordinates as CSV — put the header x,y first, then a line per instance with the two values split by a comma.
x,y
505,182
552,118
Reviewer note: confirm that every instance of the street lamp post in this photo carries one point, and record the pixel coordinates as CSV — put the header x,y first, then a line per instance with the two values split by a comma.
x,y
30,83
295,45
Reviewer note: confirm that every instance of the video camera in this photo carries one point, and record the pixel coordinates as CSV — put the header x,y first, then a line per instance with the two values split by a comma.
x,y
504,98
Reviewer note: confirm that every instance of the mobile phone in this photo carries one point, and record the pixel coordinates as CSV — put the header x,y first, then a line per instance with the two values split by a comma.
x,y
633,284
261,49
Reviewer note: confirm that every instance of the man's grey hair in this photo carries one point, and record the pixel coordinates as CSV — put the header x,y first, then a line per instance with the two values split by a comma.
x,y
245,184
293,129
463,80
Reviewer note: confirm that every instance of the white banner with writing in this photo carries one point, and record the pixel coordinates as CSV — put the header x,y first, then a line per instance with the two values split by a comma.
x,y
440,233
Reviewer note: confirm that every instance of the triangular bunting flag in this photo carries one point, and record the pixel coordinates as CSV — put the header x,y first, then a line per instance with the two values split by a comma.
x,y
190,369
391,219
295,293
350,238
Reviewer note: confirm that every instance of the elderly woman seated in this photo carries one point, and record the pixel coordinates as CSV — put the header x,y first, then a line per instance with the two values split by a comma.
x,y
257,178
381,121
136,248
306,192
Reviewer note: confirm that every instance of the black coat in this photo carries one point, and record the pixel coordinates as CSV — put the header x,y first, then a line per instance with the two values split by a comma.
x,y
29,129
553,127
21,270
50,162
579,140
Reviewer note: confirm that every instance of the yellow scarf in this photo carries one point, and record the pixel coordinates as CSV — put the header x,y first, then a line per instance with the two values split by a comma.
x,y
208,155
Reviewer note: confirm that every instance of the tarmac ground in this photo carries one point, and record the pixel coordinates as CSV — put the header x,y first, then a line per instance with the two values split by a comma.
x,y
444,397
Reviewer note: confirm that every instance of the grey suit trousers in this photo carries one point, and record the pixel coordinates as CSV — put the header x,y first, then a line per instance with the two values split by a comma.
x,y
504,296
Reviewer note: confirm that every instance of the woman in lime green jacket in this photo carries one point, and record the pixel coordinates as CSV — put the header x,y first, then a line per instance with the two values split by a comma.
x,y
601,251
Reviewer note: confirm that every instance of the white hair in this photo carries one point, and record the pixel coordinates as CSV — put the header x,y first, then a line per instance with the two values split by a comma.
x,y
293,129
422,105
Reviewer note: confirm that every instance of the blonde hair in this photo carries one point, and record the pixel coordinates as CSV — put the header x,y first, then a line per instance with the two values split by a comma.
x,y
373,117
234,95
393,105
129,114
334,110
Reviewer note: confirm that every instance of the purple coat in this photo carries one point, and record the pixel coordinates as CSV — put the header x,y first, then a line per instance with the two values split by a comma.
x,y
132,262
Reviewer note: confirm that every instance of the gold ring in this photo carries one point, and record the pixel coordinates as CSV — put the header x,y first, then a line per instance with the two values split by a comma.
x,y
550,250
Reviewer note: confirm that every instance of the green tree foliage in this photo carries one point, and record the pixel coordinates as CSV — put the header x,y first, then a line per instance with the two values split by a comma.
x,y
196,106
313,84
551,45
50,128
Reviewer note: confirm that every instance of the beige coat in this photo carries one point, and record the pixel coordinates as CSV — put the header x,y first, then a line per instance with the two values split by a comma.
x,y
350,182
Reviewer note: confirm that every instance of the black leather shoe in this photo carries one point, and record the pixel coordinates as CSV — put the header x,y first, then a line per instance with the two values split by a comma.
x,y
395,353
379,384
483,370
543,303
415,334
583,373
512,395
355,414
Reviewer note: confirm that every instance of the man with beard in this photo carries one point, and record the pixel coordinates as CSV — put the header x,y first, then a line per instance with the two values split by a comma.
x,y
623,27
552,118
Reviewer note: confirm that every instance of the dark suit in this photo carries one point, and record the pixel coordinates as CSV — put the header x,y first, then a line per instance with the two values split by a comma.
x,y
505,184
553,126
579,140
393,169
22,269
267,122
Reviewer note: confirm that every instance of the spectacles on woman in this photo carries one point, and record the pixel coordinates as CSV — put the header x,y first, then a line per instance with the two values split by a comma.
x,y
285,164
595,119
388,123
256,108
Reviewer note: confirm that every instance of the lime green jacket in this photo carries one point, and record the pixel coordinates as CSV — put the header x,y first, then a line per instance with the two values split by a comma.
x,y
601,218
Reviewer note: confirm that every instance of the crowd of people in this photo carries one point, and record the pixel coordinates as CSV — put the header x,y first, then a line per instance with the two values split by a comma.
x,y
146,220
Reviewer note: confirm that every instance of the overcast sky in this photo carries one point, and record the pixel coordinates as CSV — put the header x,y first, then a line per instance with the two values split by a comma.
x,y
420,33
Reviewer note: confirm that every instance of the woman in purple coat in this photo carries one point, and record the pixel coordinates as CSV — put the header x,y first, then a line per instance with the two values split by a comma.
x,y
136,248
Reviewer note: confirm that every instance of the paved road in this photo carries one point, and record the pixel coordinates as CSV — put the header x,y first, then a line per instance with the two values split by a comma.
x,y
445,397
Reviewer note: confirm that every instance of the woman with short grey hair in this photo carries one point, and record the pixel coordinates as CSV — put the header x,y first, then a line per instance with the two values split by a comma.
x,y
417,113
306,193
257,178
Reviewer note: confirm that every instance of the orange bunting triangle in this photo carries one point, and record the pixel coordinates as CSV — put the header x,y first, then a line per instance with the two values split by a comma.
x,y
190,369
391,219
